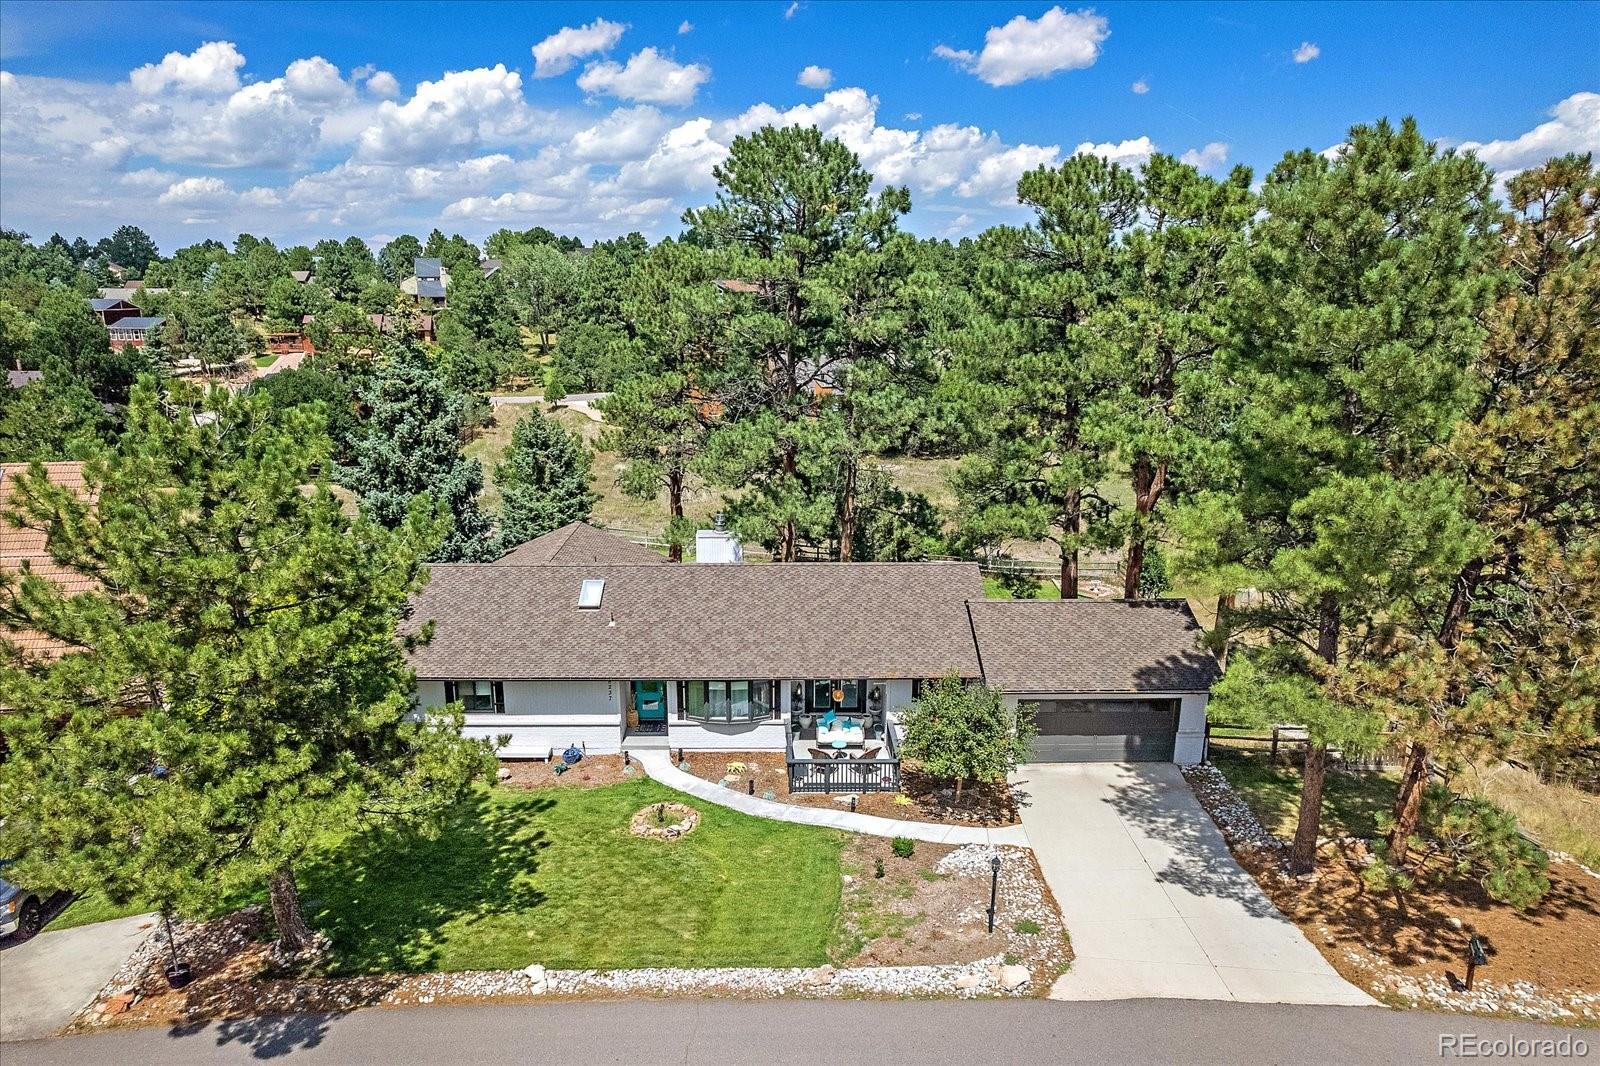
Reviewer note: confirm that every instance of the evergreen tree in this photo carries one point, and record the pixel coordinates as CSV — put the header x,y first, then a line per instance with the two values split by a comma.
x,y
251,623
51,419
399,257
543,481
658,419
66,334
1355,318
131,248
1042,363
795,224
410,447
1506,661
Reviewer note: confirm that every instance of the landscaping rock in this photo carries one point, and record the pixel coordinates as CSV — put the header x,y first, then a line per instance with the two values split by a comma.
x,y
1454,922
502,774
968,981
535,974
1010,978
822,975
121,1003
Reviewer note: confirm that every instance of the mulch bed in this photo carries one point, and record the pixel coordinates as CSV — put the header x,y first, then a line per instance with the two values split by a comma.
x,y
1543,963
593,772
923,799
932,908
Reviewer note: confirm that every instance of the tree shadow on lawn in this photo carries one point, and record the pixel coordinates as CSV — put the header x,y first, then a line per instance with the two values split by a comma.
x,y
386,896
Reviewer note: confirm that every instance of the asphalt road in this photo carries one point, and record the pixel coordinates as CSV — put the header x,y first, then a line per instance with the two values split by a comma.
x,y
805,1032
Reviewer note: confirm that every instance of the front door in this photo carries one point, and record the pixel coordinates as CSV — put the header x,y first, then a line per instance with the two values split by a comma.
x,y
650,703
838,694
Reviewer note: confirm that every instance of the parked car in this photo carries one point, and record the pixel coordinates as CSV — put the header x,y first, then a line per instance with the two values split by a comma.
x,y
21,909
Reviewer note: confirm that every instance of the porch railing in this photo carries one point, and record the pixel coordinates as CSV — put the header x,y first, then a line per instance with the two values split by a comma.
x,y
848,775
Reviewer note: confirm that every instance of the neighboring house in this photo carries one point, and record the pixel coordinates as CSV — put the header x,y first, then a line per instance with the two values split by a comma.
x,y
427,283
421,328
128,291
24,549
572,639
490,267
292,342
21,379
136,331
109,311
302,276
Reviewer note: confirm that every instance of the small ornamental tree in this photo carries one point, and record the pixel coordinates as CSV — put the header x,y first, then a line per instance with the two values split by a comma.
x,y
228,691
967,733
543,481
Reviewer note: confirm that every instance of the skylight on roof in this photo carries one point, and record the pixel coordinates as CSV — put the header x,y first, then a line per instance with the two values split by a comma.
x,y
590,593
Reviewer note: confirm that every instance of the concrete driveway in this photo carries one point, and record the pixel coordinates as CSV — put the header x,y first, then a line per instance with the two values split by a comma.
x,y
46,980
1155,904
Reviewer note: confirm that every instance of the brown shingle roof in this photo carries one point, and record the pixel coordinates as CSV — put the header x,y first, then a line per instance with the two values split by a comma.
x,y
784,620
579,542
1091,646
26,547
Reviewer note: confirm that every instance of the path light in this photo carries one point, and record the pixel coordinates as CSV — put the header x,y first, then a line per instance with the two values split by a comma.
x,y
752,783
852,805
1475,958
177,971
994,888
626,761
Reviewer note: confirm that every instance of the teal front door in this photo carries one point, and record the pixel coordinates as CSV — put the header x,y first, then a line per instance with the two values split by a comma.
x,y
650,700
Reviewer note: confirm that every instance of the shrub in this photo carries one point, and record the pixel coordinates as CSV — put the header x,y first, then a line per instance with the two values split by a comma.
x,y
903,847
877,867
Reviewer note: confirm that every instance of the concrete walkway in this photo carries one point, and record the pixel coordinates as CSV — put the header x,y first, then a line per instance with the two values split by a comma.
x,y
1154,902
46,980
658,764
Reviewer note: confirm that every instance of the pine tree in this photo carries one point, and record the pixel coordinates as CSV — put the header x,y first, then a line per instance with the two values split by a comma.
x,y
1355,311
230,692
1507,660
1042,363
543,481
411,446
50,419
820,263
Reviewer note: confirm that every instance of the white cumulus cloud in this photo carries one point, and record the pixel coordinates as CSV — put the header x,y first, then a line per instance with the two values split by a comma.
x,y
1140,87
626,133
1027,48
558,52
382,83
685,27
315,80
1574,126
648,77
213,68
1208,158
460,110
1306,52
1131,153
815,77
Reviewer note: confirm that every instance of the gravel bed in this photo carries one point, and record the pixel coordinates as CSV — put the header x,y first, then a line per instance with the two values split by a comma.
x,y
1520,999
1233,815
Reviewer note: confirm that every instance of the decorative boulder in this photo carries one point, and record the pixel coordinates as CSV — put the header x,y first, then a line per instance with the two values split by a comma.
x,y
536,975
503,774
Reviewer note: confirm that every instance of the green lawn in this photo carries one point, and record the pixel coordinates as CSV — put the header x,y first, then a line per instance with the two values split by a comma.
x,y
1350,801
555,877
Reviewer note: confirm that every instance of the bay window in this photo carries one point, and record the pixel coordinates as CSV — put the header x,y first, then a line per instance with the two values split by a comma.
x,y
726,701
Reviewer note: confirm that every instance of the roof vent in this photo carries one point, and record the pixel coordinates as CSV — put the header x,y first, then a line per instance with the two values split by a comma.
x,y
591,592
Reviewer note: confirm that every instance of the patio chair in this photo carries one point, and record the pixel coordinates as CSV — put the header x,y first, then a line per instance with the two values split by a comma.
x,y
870,753
819,755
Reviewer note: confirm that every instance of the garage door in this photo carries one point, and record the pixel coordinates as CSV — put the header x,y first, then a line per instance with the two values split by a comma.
x,y
1106,730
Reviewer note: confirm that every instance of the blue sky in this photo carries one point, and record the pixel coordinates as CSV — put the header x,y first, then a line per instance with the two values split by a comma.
x,y
316,119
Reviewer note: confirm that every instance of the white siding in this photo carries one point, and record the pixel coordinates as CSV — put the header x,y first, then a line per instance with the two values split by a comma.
x,y
541,715
896,694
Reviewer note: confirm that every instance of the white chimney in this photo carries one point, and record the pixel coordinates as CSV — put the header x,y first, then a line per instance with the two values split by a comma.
x,y
717,545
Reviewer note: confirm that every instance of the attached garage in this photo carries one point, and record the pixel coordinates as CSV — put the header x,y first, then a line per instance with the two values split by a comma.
x,y
1114,680
1090,730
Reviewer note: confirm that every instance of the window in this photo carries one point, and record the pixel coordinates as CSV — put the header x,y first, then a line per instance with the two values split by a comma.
x,y
477,697
725,701
591,592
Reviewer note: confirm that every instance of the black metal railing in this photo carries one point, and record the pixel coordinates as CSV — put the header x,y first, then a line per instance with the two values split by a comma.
x,y
848,775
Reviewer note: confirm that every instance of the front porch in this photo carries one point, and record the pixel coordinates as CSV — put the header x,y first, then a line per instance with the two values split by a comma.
x,y
853,756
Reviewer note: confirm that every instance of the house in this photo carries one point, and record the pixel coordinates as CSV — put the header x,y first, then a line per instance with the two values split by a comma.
x,y
421,325
572,639
427,283
136,330
302,276
25,549
490,267
21,379
109,310
129,291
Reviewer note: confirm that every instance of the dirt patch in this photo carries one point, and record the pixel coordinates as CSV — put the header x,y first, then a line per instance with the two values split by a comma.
x,y
1543,963
921,799
932,908
593,772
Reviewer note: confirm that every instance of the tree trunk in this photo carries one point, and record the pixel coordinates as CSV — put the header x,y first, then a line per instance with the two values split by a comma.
x,y
294,932
1069,556
1225,603
1303,855
1148,481
1414,779
847,514
675,509
788,537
